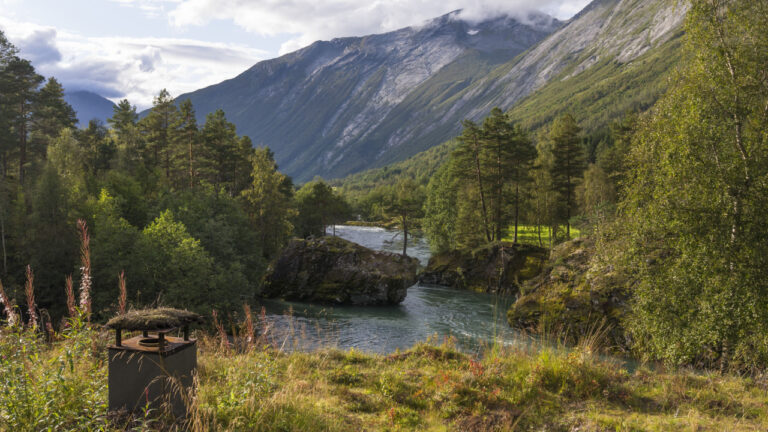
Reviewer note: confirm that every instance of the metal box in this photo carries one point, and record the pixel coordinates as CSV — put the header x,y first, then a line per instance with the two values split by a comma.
x,y
153,372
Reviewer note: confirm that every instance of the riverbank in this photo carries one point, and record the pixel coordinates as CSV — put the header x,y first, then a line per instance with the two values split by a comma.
x,y
432,386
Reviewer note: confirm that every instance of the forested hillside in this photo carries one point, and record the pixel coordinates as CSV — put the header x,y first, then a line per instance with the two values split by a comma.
x,y
188,214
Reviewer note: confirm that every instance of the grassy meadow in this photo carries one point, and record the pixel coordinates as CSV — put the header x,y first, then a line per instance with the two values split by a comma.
x,y
529,234
61,384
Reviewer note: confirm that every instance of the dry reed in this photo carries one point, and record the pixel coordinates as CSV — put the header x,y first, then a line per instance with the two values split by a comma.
x,y
123,301
29,290
71,305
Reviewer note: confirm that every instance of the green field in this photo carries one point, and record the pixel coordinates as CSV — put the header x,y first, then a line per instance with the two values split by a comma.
x,y
528,234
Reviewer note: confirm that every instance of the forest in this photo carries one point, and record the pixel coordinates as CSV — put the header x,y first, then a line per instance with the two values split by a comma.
x,y
190,214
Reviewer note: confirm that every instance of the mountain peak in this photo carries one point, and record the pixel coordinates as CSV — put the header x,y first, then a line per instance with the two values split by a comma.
x,y
341,106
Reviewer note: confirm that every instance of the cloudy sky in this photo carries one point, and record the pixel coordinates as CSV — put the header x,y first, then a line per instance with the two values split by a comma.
x,y
133,48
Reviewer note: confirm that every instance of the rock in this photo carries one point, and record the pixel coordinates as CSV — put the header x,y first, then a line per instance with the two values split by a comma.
x,y
333,270
479,269
575,295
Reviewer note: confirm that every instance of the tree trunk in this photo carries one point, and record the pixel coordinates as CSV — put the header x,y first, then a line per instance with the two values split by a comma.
x,y
478,174
22,143
499,190
191,169
2,238
405,234
517,207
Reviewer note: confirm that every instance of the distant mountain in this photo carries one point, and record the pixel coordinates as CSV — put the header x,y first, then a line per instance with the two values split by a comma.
x,y
612,58
341,106
89,106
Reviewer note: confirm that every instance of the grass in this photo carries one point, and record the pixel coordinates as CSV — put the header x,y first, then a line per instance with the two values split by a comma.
x,y
62,386
528,234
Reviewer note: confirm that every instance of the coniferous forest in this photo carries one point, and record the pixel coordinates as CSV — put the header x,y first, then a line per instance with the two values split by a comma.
x,y
629,248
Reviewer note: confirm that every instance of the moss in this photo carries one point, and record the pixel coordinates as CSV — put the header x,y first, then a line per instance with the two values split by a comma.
x,y
479,269
573,296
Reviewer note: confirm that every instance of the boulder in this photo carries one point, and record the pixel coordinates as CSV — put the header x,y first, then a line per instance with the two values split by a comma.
x,y
333,270
575,295
493,268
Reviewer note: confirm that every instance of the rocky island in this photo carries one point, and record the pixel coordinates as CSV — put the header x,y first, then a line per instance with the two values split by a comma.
x,y
333,270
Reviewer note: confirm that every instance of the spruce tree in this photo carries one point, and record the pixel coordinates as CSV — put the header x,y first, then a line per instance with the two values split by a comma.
x,y
186,143
156,126
568,164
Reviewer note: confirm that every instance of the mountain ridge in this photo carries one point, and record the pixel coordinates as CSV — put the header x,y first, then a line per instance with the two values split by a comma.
x,y
88,106
342,106
352,93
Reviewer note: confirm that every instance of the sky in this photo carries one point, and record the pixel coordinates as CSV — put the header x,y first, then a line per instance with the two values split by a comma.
x,y
134,48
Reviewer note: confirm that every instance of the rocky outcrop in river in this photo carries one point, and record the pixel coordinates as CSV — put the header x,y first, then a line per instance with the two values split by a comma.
x,y
491,268
575,295
333,270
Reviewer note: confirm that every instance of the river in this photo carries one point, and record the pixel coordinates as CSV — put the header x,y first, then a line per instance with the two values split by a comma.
x,y
474,320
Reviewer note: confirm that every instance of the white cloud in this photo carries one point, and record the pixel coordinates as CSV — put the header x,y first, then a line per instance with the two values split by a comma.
x,y
133,68
310,20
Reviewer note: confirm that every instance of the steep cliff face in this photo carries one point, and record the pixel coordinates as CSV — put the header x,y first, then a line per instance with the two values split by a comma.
x,y
339,107
617,30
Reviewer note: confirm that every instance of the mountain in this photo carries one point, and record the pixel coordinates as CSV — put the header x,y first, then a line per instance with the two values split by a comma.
x,y
613,58
89,106
340,106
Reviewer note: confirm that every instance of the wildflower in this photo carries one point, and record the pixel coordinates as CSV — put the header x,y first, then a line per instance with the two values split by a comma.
x,y
249,329
29,290
85,269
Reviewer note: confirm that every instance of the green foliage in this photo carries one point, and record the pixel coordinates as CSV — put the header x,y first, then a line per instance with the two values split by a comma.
x,y
318,207
485,178
405,203
694,210
180,271
52,244
269,203
440,205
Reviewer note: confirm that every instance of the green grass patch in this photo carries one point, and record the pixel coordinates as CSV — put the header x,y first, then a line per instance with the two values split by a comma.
x,y
529,234
62,386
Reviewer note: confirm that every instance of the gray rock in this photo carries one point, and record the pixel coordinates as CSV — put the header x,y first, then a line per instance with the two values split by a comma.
x,y
333,270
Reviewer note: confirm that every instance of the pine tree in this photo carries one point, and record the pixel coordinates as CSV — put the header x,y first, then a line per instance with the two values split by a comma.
x,y
406,203
129,142
186,146
220,143
568,164
50,115
156,126
21,87
467,163
269,201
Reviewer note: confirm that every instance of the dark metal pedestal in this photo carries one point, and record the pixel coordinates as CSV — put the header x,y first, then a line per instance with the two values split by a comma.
x,y
151,376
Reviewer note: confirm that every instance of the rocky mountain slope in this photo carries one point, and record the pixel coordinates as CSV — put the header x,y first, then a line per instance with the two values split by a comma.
x,y
338,107
604,91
